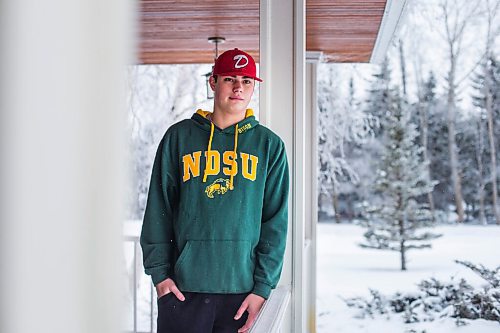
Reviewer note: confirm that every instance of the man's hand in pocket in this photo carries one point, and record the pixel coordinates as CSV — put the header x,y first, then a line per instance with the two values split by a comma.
x,y
168,286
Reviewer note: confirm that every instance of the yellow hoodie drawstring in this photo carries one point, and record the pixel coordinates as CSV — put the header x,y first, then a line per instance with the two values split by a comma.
x,y
231,187
208,151
205,175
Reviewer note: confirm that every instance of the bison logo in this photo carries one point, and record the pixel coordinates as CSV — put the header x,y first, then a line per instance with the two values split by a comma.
x,y
220,186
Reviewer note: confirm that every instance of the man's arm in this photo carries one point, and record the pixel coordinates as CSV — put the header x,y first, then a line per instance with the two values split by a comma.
x,y
271,247
157,232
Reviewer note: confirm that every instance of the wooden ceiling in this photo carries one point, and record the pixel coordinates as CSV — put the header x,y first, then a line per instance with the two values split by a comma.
x,y
175,32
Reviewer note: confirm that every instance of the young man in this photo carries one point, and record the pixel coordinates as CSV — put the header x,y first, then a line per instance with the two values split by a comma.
x,y
215,224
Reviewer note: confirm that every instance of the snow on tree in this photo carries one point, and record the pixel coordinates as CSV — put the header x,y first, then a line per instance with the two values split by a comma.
x,y
339,123
469,142
424,108
457,17
484,303
402,181
379,95
449,43
351,193
158,96
437,144
362,155
486,83
437,299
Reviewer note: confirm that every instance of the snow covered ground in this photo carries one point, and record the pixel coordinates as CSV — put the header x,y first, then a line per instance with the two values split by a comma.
x,y
345,270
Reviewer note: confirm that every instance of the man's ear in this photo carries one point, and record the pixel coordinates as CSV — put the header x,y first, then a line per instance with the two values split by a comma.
x,y
211,80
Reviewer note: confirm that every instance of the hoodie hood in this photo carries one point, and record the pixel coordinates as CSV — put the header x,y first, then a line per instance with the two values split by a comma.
x,y
200,118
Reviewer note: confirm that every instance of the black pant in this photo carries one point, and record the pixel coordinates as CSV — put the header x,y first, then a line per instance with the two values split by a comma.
x,y
200,313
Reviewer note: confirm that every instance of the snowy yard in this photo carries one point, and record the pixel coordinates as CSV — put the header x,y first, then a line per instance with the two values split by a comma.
x,y
345,270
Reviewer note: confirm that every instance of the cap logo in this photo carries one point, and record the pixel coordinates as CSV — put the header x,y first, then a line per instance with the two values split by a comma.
x,y
239,58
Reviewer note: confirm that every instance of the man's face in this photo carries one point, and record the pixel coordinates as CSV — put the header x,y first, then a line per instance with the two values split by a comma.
x,y
232,94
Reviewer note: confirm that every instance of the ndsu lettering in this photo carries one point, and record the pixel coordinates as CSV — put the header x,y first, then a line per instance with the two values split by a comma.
x,y
227,164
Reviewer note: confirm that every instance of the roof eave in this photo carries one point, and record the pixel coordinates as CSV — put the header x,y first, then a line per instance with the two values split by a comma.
x,y
394,16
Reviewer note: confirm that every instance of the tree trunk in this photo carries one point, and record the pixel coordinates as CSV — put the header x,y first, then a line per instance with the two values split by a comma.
x,y
491,136
424,140
350,208
401,222
335,199
402,243
479,159
403,66
452,145
403,255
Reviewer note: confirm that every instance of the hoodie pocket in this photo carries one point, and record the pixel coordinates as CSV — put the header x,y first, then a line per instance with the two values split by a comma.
x,y
215,266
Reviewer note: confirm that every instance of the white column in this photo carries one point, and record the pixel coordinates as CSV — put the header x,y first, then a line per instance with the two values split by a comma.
x,y
282,95
62,145
311,217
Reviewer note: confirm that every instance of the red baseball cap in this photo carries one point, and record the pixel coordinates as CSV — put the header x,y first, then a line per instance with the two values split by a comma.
x,y
235,62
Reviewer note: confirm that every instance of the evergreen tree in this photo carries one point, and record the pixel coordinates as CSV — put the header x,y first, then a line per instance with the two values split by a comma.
x,y
486,98
364,156
437,145
471,156
402,180
425,104
379,95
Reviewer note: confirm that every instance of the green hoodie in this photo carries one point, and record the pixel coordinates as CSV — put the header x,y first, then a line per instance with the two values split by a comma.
x,y
213,225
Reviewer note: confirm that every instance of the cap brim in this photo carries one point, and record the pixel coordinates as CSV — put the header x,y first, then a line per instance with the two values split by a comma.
x,y
238,74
